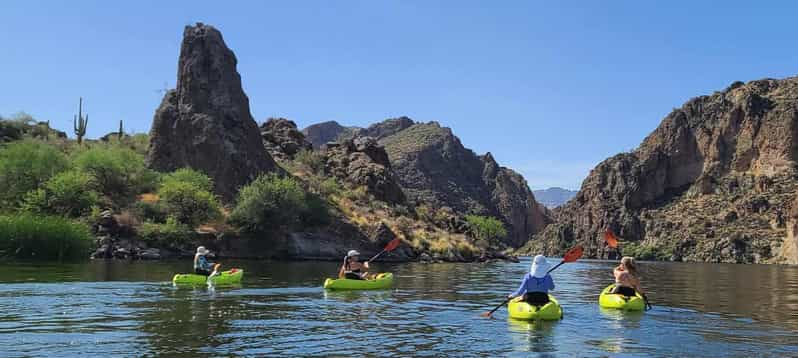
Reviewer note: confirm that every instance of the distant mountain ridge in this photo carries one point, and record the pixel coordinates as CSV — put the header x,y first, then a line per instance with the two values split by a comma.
x,y
554,197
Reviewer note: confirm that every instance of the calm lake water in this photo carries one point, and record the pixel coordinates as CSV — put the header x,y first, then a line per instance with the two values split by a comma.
x,y
130,309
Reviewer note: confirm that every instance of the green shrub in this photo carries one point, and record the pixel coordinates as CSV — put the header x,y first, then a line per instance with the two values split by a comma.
x,y
150,211
314,161
645,252
69,194
316,213
119,173
272,201
171,232
188,203
486,228
24,166
43,237
188,175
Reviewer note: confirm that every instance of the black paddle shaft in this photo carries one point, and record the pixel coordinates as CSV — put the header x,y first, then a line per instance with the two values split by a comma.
x,y
558,265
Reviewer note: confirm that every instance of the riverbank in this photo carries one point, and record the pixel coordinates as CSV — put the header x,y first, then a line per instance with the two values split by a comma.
x,y
299,246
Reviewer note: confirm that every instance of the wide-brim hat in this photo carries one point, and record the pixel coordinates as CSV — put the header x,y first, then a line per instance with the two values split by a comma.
x,y
540,266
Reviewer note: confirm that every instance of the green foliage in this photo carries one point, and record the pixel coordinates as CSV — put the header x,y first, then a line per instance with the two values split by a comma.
x,y
171,232
272,201
188,175
314,161
322,186
646,252
44,238
119,173
154,212
68,193
24,166
485,228
186,197
138,142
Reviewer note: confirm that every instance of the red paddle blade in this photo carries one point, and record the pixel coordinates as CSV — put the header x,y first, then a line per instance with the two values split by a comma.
x,y
393,244
610,239
573,254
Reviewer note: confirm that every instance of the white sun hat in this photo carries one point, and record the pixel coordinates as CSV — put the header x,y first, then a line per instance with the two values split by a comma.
x,y
202,250
540,266
352,253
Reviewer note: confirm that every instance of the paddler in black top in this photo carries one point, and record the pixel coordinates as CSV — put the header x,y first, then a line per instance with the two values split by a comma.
x,y
352,268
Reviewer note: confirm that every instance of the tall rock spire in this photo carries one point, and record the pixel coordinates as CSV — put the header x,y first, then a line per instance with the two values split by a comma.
x,y
205,123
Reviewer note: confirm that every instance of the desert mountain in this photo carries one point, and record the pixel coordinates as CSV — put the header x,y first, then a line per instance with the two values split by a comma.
x,y
714,182
435,169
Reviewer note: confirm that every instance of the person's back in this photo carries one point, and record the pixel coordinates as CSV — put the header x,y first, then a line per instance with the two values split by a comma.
x,y
627,282
536,284
201,264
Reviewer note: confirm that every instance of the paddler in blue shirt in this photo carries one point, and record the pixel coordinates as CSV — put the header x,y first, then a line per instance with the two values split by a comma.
x,y
201,264
536,284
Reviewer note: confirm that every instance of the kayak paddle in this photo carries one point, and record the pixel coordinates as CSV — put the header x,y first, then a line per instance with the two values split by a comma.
x,y
575,253
390,247
572,255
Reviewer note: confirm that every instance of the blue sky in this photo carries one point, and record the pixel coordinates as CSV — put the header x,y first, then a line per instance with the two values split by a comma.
x,y
550,88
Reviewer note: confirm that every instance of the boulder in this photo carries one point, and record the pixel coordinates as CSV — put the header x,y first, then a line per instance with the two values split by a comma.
x,y
150,254
363,162
205,123
282,139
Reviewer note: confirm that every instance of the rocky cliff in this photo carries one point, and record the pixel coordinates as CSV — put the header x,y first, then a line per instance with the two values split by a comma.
x,y
714,182
436,169
322,133
205,123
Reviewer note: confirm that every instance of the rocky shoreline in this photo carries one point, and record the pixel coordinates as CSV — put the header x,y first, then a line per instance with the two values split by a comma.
x,y
115,241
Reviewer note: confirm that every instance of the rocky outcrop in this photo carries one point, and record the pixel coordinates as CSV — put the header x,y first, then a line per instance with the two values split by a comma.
x,y
712,183
363,162
282,139
325,132
435,169
205,123
788,253
513,201
387,127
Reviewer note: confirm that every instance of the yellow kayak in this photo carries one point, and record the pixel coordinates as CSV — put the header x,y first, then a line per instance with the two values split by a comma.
x,y
230,277
521,310
614,300
383,280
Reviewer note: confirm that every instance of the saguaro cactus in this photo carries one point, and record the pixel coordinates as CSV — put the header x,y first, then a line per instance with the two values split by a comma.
x,y
80,122
121,130
47,130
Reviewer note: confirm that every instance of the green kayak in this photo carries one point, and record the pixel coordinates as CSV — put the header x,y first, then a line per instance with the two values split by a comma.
x,y
230,277
383,280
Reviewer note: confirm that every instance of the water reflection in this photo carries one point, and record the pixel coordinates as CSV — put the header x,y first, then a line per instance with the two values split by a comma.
x,y
533,336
